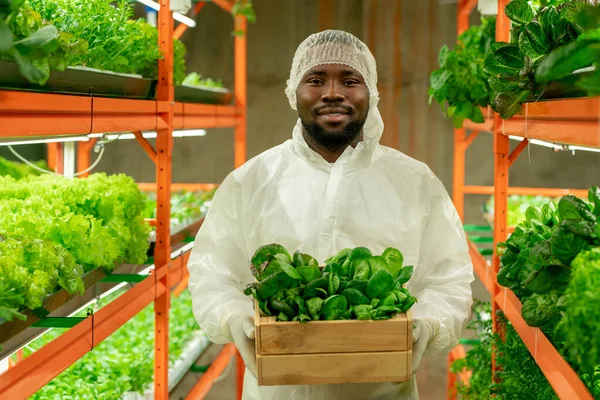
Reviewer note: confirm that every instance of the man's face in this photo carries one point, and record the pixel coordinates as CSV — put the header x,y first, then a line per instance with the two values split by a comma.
x,y
333,101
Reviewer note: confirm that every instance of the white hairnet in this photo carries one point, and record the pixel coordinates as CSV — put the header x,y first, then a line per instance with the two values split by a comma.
x,y
332,47
338,47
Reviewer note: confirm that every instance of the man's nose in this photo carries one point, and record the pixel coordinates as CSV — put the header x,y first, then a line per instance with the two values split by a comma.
x,y
332,93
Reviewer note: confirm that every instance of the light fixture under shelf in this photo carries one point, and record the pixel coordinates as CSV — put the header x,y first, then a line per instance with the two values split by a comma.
x,y
176,16
554,146
105,136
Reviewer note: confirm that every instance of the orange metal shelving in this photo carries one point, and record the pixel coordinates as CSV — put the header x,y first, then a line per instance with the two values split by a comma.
x,y
27,114
570,122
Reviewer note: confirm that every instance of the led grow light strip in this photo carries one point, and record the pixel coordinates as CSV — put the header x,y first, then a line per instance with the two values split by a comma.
x,y
148,135
176,16
86,138
83,138
553,146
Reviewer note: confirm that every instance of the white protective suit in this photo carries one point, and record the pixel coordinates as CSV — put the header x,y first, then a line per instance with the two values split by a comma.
x,y
372,196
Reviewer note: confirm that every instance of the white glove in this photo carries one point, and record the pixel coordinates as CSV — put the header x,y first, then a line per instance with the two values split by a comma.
x,y
242,333
424,331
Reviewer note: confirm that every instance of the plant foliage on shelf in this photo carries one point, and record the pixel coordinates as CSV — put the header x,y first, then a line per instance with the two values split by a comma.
x,y
460,85
33,43
582,53
116,42
582,313
512,66
516,207
550,263
243,8
54,229
549,39
20,170
46,35
195,79
123,362
185,205
518,373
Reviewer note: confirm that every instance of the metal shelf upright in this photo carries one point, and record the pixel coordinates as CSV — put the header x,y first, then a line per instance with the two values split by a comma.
x,y
568,122
29,115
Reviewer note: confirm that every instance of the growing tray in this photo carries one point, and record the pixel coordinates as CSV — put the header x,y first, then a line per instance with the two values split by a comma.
x,y
80,80
180,233
202,94
565,88
333,352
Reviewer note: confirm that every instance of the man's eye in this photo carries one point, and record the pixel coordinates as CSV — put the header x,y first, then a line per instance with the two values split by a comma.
x,y
315,81
350,82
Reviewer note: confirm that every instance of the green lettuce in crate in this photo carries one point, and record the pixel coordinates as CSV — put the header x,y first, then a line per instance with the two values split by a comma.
x,y
354,284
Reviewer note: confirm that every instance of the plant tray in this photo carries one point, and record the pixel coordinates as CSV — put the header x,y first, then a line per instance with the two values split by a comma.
x,y
180,232
565,88
80,80
16,333
333,352
204,95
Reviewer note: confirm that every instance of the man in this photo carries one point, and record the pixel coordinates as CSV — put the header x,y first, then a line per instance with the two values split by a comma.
x,y
332,186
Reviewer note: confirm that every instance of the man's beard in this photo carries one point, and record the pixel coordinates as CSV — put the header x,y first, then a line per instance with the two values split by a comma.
x,y
334,141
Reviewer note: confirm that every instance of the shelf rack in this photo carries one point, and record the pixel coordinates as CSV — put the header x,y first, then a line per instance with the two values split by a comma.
x,y
29,115
564,122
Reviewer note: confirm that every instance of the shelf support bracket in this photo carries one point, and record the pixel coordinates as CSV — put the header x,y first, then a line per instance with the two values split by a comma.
x,y
181,28
517,151
469,140
145,145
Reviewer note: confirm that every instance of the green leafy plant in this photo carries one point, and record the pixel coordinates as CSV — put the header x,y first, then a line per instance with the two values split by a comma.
x,y
116,42
194,79
37,46
518,372
185,205
550,262
584,52
536,258
243,8
478,359
460,85
582,312
354,284
20,170
53,229
513,65
517,207
124,361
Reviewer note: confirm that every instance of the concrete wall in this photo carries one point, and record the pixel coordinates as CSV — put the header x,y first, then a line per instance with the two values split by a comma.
x,y
281,25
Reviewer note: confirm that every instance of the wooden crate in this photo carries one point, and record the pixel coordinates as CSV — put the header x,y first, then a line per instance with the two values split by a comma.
x,y
326,352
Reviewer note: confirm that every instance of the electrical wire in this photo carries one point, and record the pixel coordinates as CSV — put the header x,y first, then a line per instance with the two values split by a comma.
x,y
94,165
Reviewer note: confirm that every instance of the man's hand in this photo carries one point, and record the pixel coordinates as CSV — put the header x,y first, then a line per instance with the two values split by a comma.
x,y
242,333
424,332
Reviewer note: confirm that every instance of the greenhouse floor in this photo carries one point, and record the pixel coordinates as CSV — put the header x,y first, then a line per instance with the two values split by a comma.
x,y
431,378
